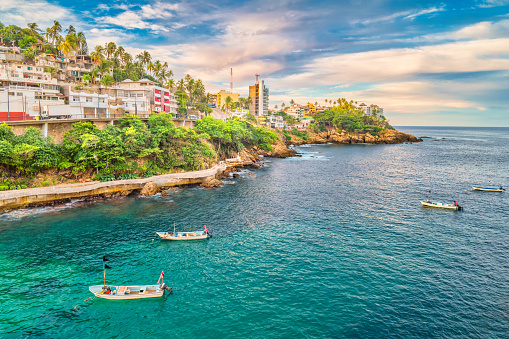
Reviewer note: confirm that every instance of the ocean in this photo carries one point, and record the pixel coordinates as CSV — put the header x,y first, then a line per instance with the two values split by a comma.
x,y
332,244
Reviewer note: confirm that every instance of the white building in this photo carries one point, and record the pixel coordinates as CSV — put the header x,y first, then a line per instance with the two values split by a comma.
x,y
27,92
296,111
128,97
158,98
276,121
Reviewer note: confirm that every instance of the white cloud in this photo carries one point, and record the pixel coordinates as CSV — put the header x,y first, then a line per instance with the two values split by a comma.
x,y
22,12
404,15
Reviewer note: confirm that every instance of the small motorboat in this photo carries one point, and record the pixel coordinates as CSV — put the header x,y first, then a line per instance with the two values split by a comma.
x,y
196,235
488,189
129,291
441,205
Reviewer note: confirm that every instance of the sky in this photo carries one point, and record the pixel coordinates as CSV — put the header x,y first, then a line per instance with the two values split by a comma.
x,y
427,63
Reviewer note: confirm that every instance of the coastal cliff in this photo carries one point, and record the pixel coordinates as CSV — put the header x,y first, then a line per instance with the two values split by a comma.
x,y
389,137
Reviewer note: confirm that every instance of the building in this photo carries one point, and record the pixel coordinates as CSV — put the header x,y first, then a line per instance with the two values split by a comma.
x,y
132,97
67,69
222,95
371,109
276,121
296,111
212,100
157,99
259,99
11,54
27,92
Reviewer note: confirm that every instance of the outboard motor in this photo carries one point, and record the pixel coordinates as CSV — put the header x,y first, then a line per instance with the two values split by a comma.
x,y
163,286
209,234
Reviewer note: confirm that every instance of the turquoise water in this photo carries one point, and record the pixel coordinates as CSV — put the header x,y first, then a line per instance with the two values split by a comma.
x,y
332,244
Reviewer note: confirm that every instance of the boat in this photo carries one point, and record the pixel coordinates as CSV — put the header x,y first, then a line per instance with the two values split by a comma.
x,y
488,189
196,235
441,205
129,292
116,292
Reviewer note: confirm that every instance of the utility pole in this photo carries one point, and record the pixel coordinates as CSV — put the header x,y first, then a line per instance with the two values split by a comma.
x,y
8,104
40,115
231,80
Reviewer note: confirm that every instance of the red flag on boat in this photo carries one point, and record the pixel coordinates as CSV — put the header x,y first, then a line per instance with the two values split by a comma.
x,y
161,276
205,226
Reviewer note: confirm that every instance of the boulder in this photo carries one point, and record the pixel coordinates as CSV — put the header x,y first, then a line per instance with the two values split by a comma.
x,y
150,188
237,175
211,182
255,165
164,193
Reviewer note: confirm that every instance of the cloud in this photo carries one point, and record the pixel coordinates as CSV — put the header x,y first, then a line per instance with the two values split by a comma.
x,y
410,14
22,12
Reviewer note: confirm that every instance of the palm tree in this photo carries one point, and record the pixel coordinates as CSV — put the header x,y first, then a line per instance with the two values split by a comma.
x,y
55,31
170,84
82,43
48,34
150,67
275,107
126,58
107,81
249,101
292,102
316,103
111,47
227,105
144,58
98,54
34,30
283,105
69,45
70,30
325,102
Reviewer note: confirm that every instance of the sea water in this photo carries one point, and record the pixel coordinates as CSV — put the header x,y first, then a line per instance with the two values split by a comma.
x,y
331,244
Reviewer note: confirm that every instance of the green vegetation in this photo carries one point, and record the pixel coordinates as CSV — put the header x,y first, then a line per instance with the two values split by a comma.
x,y
347,117
129,150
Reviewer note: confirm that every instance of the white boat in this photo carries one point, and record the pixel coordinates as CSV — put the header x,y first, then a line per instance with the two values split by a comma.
x,y
488,189
197,235
129,292
440,205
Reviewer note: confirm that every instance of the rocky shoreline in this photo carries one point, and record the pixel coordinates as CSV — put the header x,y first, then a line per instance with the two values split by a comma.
x,y
16,199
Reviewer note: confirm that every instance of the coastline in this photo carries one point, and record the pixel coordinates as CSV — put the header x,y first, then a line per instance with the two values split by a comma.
x,y
51,195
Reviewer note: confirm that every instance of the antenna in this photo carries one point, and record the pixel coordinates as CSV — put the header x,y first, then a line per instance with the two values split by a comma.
x,y
257,75
231,80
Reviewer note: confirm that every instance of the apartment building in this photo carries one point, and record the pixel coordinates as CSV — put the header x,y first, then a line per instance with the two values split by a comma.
x,y
296,111
260,99
222,95
27,92
158,99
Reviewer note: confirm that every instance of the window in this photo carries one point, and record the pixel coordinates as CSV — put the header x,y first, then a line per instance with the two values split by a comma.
x,y
30,68
11,93
74,99
88,100
19,94
101,100
39,69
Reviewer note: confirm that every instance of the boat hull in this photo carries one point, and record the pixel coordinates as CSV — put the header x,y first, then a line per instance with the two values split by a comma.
x,y
487,189
149,291
439,205
187,237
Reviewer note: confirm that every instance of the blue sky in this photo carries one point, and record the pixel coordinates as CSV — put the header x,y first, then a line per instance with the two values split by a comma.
x,y
426,62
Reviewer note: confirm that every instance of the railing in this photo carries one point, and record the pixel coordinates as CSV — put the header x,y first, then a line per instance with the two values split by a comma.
x,y
21,116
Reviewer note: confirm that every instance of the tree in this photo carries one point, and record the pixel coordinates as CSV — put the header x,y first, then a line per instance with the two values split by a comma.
x,y
69,45
34,30
292,102
70,30
81,41
98,54
55,32
27,41
111,47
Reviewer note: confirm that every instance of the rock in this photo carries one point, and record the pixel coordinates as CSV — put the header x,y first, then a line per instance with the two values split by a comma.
x,y
252,175
125,192
211,182
255,165
237,175
164,193
150,188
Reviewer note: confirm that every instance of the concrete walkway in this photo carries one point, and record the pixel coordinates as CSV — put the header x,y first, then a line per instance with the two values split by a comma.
x,y
19,198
